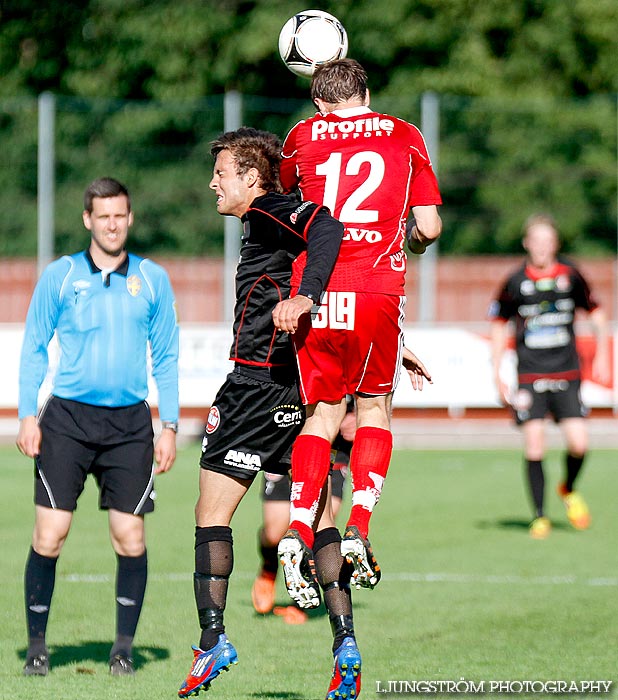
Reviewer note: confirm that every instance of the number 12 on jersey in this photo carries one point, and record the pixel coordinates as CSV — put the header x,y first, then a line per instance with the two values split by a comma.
x,y
351,209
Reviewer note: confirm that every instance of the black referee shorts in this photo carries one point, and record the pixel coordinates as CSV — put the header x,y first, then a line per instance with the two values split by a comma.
x,y
252,424
113,444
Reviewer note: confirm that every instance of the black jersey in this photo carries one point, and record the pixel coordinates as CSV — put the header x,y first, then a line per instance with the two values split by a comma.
x,y
276,230
543,306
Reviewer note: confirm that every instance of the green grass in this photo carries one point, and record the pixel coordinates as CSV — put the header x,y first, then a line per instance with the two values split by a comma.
x,y
465,592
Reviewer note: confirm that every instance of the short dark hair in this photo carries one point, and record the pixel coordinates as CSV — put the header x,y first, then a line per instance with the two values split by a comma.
x,y
545,219
104,187
252,148
339,81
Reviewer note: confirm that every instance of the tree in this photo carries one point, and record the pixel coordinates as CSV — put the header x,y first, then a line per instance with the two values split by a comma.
x,y
528,106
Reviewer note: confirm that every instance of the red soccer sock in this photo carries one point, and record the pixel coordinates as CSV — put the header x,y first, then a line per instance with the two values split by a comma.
x,y
369,462
310,467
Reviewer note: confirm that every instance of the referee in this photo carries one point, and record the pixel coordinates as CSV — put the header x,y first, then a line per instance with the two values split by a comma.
x,y
106,307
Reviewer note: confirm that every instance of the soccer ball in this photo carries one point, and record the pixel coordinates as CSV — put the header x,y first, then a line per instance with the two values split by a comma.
x,y
310,38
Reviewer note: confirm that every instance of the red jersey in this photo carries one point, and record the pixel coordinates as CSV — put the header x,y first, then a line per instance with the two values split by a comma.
x,y
368,169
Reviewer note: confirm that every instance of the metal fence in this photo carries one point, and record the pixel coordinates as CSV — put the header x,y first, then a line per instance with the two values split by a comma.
x,y
498,160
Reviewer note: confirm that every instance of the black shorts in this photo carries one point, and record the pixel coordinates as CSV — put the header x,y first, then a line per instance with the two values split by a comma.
x,y
113,444
277,487
252,424
559,398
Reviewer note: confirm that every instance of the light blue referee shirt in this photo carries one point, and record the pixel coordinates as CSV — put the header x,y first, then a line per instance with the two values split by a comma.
x,y
104,323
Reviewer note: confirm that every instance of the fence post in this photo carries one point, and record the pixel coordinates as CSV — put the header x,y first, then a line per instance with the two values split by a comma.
x,y
45,180
232,120
427,267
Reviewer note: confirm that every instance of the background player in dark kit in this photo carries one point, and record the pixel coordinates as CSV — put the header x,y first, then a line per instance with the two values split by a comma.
x,y
542,297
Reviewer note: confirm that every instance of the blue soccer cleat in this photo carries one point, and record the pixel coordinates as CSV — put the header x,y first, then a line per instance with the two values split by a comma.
x,y
207,665
346,680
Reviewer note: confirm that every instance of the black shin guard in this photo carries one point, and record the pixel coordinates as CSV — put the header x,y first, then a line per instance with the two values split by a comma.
x,y
39,580
131,577
536,483
334,577
214,561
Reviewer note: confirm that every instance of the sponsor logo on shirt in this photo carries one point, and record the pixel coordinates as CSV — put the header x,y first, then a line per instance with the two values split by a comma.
x,y
398,261
527,287
351,128
563,283
134,285
361,234
299,210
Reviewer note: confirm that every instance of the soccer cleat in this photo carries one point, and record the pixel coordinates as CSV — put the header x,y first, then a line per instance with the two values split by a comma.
x,y
121,665
576,508
357,551
540,528
207,665
263,593
299,570
291,615
37,665
346,680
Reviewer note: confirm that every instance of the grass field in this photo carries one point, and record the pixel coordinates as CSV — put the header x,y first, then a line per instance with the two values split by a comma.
x,y
465,593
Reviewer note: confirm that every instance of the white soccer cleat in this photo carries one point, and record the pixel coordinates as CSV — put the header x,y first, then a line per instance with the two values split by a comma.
x,y
357,551
299,570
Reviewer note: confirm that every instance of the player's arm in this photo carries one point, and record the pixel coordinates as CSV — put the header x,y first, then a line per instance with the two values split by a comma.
x,y
41,323
601,364
164,350
423,229
323,242
499,334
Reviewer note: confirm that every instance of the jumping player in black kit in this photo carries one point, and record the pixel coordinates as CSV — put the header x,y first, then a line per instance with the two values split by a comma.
x,y
542,297
257,413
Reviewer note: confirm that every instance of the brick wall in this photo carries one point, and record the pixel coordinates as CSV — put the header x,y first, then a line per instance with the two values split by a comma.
x,y
465,287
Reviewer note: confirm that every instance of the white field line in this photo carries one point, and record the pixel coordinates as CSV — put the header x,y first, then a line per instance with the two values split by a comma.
x,y
436,577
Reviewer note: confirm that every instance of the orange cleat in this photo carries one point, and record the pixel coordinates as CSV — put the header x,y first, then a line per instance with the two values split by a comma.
x,y
263,592
576,508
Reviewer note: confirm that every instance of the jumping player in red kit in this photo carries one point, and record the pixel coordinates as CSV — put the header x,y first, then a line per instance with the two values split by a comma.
x,y
369,169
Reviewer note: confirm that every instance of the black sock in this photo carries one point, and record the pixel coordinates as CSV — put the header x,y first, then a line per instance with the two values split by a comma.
x,y
214,561
333,574
39,580
573,467
131,576
536,482
268,554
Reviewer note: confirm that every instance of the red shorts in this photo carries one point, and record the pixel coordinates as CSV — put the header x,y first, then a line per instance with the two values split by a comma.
x,y
352,344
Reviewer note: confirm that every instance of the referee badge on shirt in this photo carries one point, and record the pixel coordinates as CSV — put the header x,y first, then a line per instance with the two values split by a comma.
x,y
134,285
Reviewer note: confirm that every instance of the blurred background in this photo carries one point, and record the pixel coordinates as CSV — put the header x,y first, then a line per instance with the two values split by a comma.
x,y
523,98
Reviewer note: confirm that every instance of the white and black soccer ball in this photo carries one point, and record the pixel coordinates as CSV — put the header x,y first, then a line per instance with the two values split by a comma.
x,y
309,38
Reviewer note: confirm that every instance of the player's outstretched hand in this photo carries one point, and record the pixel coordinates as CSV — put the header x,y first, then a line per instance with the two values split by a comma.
x,y
165,451
415,368
288,311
